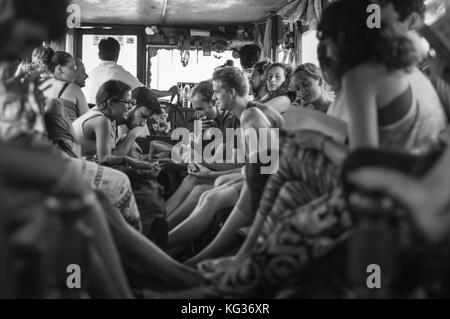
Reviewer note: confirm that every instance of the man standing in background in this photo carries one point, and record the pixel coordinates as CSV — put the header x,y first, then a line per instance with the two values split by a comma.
x,y
108,52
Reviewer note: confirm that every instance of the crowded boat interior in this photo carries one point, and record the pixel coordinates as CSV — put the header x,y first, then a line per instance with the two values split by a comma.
x,y
233,149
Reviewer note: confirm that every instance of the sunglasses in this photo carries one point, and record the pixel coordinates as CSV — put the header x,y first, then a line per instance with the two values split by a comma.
x,y
131,103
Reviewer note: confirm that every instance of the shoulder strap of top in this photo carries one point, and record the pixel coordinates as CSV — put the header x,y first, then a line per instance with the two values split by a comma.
x,y
63,89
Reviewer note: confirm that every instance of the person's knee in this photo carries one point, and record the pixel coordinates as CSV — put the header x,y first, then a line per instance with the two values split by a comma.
x,y
288,189
200,189
210,201
188,183
221,180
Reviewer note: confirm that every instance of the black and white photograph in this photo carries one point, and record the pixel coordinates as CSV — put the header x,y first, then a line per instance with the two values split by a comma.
x,y
225,156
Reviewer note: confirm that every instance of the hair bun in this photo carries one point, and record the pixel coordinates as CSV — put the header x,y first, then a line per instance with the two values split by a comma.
x,y
48,55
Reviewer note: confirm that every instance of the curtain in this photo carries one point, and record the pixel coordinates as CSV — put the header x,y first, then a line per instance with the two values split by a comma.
x,y
306,11
267,48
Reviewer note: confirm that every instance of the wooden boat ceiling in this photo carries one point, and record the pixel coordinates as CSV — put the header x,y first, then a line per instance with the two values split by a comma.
x,y
177,12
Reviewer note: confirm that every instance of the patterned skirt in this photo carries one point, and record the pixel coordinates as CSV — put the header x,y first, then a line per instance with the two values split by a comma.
x,y
306,218
114,184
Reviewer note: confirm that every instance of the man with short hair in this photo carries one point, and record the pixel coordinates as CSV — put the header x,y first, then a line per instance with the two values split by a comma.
x,y
405,18
399,16
211,116
108,52
248,55
231,92
209,113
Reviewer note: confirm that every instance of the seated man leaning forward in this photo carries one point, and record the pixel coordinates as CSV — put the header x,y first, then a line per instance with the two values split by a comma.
x,y
207,112
147,105
211,117
259,125
96,130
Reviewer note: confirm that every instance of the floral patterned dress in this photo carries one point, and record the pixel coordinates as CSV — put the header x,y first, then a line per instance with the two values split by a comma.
x,y
22,121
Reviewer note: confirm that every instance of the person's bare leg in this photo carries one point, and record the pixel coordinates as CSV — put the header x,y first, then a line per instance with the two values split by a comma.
x,y
105,251
183,191
198,195
146,260
202,216
187,206
221,180
226,239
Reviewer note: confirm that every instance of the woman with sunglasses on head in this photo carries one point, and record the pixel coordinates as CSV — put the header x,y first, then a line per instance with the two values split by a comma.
x,y
97,129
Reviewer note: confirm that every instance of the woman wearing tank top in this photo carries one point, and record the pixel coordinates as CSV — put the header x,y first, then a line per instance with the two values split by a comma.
x,y
60,84
96,129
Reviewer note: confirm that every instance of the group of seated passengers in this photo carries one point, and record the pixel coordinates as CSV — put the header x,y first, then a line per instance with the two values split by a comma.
x,y
388,104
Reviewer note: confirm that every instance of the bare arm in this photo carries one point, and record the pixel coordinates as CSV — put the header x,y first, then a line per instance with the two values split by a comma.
x,y
102,130
125,145
361,102
171,92
280,103
254,118
18,166
80,99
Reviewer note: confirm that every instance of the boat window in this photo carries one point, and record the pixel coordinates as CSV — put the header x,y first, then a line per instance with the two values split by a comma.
x,y
166,66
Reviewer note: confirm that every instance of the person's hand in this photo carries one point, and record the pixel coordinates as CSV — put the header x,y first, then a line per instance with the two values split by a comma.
x,y
138,131
199,171
112,161
147,158
154,168
309,139
216,265
141,164
165,162
207,123
428,208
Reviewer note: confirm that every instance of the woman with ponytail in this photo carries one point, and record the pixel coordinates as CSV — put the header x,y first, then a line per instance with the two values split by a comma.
x,y
61,68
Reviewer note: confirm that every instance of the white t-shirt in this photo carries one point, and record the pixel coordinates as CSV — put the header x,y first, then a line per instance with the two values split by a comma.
x,y
108,70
